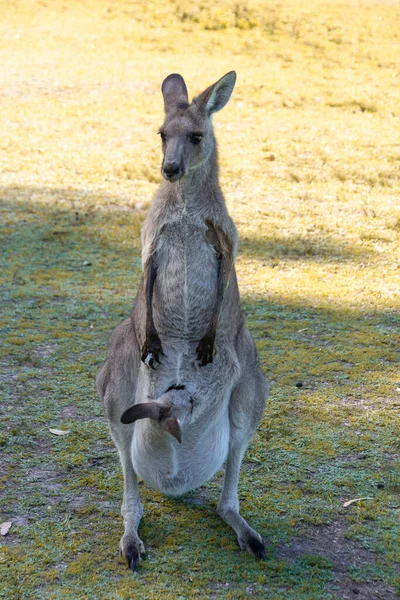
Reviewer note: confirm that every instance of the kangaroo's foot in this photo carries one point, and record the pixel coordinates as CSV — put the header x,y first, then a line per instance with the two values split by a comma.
x,y
132,548
247,538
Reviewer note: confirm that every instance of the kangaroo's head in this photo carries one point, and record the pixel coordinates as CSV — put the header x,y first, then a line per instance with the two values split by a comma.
x,y
187,133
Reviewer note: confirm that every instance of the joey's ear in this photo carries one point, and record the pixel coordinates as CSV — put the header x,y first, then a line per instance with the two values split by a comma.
x,y
174,91
171,424
146,410
152,410
216,96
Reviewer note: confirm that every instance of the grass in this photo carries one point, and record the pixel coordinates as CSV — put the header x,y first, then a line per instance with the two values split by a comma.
x,y
310,166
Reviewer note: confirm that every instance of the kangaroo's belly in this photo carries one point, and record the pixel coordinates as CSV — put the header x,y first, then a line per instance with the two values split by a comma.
x,y
185,286
173,468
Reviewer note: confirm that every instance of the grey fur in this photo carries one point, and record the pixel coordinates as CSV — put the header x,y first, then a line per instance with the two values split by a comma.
x,y
205,384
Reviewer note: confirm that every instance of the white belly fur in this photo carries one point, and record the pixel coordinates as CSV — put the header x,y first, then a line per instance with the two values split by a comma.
x,y
174,468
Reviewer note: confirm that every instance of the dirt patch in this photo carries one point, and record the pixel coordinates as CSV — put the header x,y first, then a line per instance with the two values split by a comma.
x,y
376,590
69,412
329,541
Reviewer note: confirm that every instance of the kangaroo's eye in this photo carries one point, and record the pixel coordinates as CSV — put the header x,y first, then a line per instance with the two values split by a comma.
x,y
195,138
162,135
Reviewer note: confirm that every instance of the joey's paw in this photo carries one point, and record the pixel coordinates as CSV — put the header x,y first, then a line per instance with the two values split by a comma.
x,y
132,548
151,352
254,545
205,351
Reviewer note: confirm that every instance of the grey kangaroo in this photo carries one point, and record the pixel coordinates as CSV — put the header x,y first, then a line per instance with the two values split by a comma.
x,y
182,388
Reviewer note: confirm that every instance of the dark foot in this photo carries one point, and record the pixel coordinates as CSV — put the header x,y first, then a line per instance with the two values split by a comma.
x,y
151,351
257,548
205,350
253,544
133,552
135,561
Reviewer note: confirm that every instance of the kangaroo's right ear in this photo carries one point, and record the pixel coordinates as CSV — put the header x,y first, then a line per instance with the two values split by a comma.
x,y
174,91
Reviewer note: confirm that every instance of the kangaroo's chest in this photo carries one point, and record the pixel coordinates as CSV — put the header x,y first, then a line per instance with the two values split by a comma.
x,y
185,287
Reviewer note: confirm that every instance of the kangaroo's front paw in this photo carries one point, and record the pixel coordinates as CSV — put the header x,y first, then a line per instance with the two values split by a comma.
x,y
151,351
206,350
132,548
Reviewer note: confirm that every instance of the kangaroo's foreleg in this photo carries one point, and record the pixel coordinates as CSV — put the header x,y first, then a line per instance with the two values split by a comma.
x,y
152,348
224,250
245,410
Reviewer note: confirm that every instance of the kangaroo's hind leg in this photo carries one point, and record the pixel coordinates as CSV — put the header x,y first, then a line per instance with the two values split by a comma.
x,y
245,410
116,385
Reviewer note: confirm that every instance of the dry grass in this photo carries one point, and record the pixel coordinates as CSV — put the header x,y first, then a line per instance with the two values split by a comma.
x,y
310,164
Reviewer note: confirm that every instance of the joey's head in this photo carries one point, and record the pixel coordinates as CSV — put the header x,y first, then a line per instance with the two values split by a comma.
x,y
187,133
173,410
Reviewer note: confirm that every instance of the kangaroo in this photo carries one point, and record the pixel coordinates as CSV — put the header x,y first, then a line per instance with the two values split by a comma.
x,y
182,388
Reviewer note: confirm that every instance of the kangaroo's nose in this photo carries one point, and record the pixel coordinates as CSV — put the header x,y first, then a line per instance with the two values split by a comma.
x,y
171,169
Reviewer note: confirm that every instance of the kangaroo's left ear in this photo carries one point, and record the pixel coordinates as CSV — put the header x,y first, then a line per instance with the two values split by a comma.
x,y
216,96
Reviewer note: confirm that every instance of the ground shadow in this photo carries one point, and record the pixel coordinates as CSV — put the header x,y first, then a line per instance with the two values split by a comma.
x,y
297,247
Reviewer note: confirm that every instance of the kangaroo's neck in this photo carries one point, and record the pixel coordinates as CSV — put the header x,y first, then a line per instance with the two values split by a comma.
x,y
199,186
